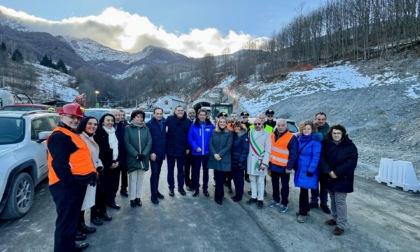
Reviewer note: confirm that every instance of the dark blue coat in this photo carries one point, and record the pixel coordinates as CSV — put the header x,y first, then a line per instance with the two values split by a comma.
x,y
240,149
177,135
158,138
122,153
309,148
342,159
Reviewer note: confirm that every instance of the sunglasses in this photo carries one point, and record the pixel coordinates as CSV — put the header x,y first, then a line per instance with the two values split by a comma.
x,y
257,123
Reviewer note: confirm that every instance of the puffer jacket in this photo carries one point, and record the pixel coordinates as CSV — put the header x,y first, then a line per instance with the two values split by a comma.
x,y
138,140
240,150
309,148
199,137
342,159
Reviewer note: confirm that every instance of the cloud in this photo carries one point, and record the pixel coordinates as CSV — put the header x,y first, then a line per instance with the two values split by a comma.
x,y
123,31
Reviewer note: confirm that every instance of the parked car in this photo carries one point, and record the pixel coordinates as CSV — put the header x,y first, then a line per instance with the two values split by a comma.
x,y
97,112
25,107
23,155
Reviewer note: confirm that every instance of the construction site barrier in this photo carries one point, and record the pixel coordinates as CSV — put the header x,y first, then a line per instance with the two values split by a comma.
x,y
398,173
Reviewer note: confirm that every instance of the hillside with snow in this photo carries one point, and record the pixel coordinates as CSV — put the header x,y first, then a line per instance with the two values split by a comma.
x,y
256,97
378,101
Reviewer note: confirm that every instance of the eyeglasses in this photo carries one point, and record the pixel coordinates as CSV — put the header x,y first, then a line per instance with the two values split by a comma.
x,y
269,116
257,123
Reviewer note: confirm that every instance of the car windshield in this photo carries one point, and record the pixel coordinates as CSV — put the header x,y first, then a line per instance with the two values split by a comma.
x,y
22,108
97,113
12,130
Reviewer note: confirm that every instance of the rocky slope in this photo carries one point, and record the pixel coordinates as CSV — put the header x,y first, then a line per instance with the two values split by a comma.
x,y
383,118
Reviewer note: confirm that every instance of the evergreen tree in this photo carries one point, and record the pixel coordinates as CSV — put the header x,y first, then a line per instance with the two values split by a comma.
x,y
61,66
2,47
46,61
17,56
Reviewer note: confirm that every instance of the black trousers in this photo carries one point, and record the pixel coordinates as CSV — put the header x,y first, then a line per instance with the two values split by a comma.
x,y
285,177
188,171
304,201
113,181
156,167
68,200
238,180
124,177
219,176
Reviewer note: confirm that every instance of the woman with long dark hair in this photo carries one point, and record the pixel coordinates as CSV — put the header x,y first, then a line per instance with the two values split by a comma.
x,y
109,176
86,130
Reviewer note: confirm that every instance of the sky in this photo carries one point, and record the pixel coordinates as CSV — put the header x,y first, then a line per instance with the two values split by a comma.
x,y
190,27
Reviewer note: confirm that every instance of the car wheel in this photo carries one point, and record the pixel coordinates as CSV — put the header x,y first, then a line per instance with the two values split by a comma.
x,y
21,197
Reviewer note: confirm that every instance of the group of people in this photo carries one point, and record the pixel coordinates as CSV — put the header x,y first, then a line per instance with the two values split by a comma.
x,y
235,150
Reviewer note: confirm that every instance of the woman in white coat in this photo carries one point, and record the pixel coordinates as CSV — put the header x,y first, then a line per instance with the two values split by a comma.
x,y
257,163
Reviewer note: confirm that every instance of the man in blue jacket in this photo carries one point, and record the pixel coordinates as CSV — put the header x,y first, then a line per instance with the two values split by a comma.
x,y
157,127
199,138
177,147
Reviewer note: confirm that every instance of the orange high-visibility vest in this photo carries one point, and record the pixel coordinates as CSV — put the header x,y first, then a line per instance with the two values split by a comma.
x,y
279,151
81,162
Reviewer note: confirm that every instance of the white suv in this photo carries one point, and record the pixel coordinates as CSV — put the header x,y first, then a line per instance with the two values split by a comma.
x,y
23,158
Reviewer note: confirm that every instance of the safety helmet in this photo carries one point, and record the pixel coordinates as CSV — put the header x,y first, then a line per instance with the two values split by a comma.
x,y
71,109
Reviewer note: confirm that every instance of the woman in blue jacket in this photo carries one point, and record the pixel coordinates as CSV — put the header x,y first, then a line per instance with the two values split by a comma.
x,y
306,174
198,138
240,150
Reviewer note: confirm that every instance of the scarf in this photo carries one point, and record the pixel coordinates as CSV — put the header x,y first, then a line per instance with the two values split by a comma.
x,y
113,142
137,124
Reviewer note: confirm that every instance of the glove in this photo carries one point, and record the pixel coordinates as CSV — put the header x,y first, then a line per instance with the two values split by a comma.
x,y
99,168
94,181
309,174
140,157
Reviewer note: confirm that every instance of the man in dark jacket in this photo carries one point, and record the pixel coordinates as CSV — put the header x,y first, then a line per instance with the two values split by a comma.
x,y
157,127
188,169
122,153
321,192
270,118
69,173
177,147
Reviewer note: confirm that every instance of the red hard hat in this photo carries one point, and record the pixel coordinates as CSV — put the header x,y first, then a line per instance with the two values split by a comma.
x,y
71,109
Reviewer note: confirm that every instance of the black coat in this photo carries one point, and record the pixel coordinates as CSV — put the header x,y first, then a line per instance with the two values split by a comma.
x,y
158,138
240,149
342,159
177,136
105,152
